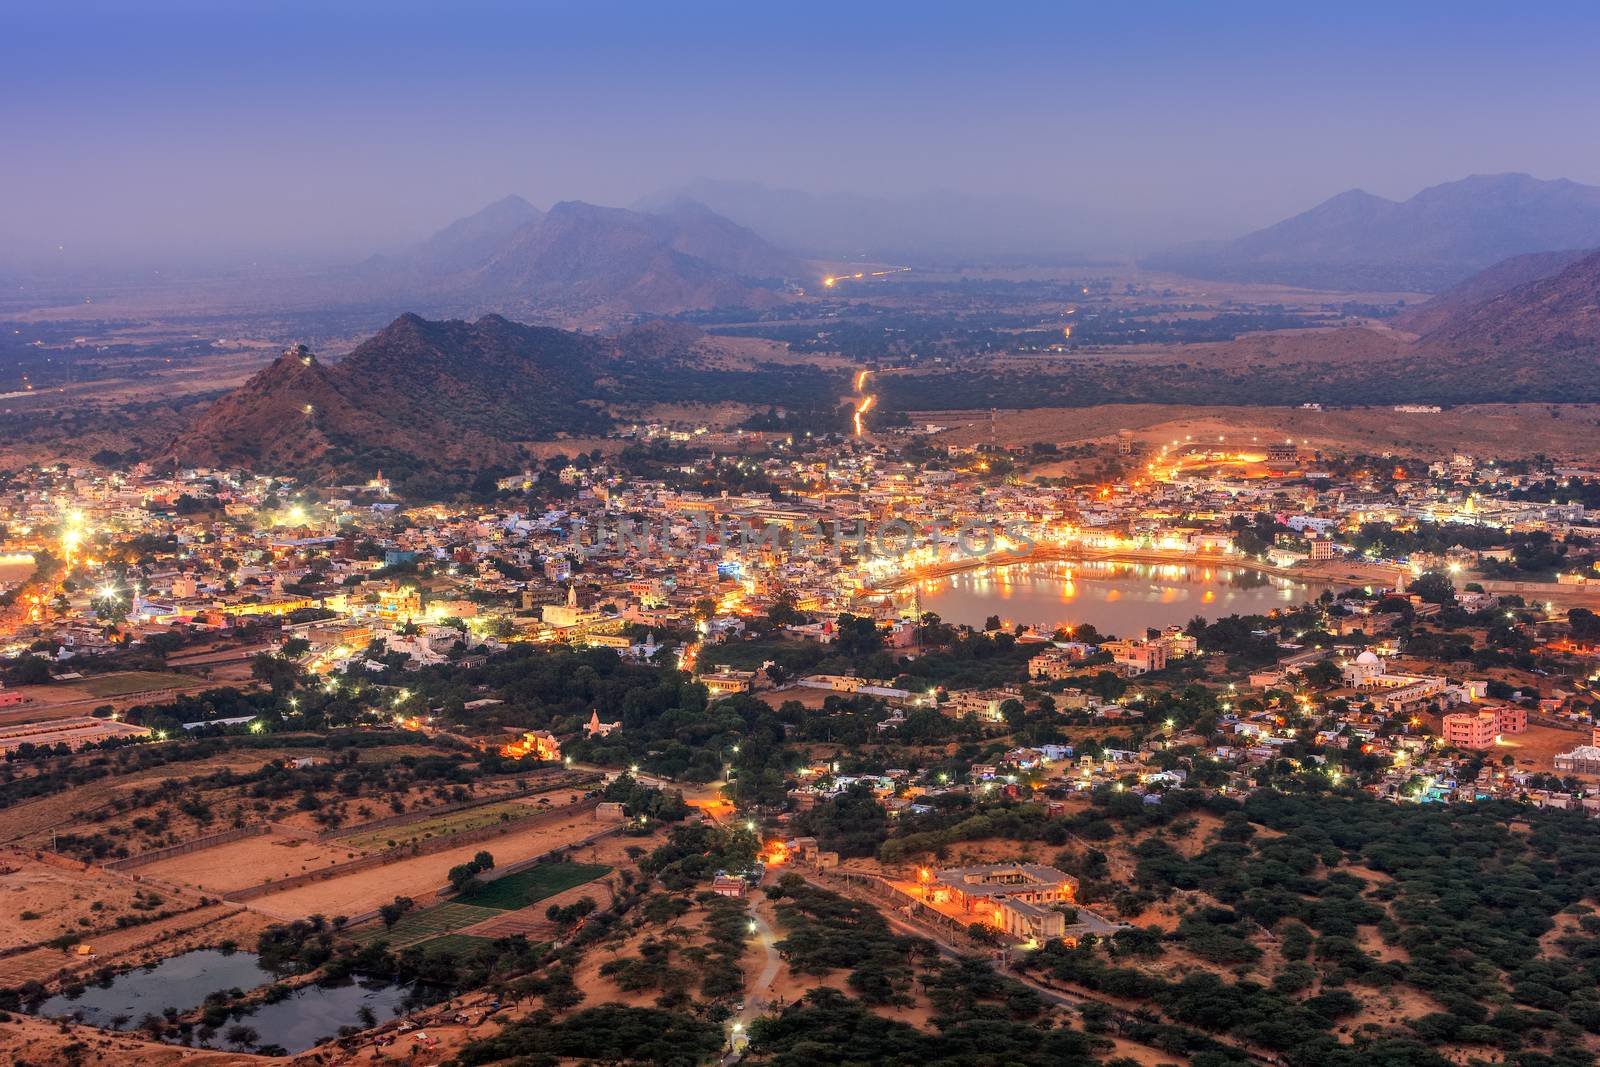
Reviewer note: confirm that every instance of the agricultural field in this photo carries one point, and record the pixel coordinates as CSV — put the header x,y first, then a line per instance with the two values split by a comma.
x,y
484,902
456,822
130,682
420,877
532,885
418,926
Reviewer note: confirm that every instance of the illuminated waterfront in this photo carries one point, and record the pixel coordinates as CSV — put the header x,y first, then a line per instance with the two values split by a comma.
x,y
1120,598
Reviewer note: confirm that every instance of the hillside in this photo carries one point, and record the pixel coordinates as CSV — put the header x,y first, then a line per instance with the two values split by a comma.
x,y
1555,314
421,393
1430,242
1503,276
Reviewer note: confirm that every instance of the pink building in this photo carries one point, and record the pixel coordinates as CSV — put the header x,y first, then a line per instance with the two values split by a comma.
x,y
1472,729
1511,719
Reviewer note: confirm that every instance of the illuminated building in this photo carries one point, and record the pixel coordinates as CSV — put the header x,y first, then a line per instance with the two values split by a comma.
x,y
535,744
1014,897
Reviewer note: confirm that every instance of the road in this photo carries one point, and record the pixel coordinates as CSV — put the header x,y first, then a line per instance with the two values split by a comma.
x,y
759,994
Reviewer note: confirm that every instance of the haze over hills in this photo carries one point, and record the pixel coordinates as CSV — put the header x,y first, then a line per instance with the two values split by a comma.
x,y
1435,239
578,259
930,227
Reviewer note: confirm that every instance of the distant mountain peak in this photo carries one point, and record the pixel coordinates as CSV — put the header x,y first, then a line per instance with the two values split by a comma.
x,y
1433,240
580,260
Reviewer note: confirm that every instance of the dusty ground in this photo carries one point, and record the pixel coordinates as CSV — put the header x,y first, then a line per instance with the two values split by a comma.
x,y
248,862
1503,430
59,898
43,1043
120,690
418,878
1536,748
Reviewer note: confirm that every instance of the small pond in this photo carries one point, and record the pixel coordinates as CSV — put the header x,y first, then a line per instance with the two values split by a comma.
x,y
183,982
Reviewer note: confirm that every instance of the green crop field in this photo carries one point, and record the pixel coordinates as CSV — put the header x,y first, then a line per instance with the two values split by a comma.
x,y
454,943
419,926
530,886
456,822
115,685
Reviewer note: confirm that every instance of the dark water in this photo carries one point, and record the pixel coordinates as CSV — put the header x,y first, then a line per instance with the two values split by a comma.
x,y
316,1012
1118,598
183,982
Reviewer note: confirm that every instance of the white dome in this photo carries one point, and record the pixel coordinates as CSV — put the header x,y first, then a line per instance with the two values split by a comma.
x,y
1368,656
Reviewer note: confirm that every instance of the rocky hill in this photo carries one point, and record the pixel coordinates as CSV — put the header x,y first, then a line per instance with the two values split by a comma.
x,y
451,397
428,393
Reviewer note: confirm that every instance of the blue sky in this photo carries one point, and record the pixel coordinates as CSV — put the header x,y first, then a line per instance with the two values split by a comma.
x,y
329,129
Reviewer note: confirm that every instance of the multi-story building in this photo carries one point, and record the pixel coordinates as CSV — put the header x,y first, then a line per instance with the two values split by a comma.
x,y
1472,729
1137,657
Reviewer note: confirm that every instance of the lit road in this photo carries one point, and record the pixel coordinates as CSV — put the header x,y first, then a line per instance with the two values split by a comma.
x,y
758,996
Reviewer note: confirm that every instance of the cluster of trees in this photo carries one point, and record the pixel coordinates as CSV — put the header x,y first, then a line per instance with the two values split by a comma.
x,y
825,932
1464,899
644,801
464,874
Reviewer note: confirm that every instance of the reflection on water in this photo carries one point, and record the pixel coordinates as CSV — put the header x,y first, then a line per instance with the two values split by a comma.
x,y
1119,598
307,1016
182,982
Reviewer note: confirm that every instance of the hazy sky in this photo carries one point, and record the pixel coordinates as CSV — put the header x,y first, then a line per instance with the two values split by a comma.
x,y
330,128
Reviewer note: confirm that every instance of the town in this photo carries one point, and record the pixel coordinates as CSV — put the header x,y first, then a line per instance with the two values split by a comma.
x,y
720,646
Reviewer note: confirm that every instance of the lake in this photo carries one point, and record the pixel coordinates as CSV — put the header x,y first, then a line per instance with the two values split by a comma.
x,y
1116,598
183,982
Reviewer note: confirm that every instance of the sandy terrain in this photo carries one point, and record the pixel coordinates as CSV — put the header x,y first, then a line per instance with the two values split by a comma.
x,y
248,862
1505,430
1536,748
58,897
418,878
41,1042
138,945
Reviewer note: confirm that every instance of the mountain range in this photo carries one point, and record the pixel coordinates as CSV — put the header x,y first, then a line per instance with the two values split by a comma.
x,y
574,261
1436,239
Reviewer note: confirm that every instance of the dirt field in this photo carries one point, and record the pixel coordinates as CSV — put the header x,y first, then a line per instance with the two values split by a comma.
x,y
418,878
1535,749
59,899
138,945
1502,430
248,862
